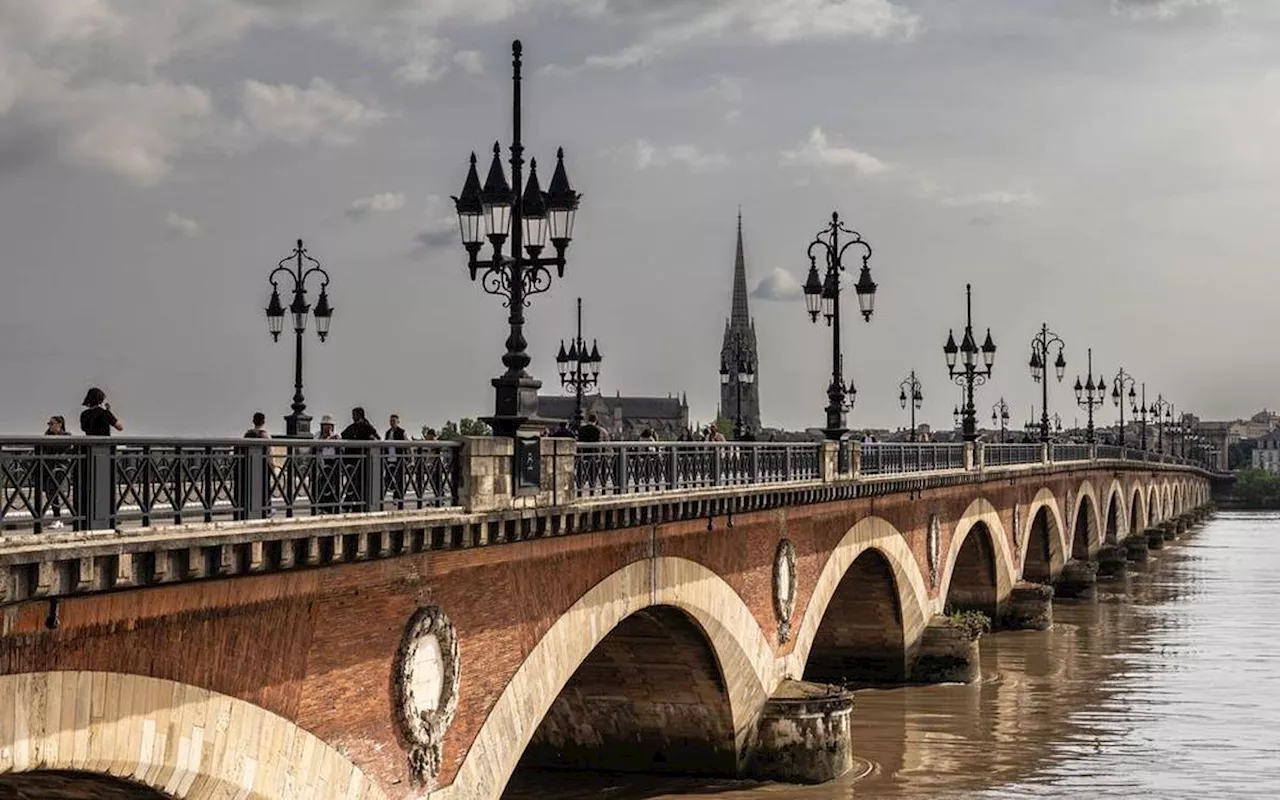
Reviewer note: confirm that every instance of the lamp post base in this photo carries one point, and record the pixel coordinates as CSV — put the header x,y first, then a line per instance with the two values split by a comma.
x,y
298,426
515,407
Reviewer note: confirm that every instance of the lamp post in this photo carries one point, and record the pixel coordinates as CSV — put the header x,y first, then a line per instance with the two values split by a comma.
x,y
497,212
298,424
1090,395
911,393
822,296
1118,396
1041,344
967,374
1161,409
579,369
1141,410
1000,413
738,369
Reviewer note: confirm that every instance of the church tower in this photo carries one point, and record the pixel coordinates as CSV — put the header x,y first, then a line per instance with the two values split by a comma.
x,y
740,343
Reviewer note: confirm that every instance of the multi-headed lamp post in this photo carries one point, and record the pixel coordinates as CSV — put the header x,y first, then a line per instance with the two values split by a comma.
x,y
579,368
1041,345
303,267
967,374
822,296
1090,395
738,370
911,394
1160,411
1000,414
1141,411
497,212
1118,385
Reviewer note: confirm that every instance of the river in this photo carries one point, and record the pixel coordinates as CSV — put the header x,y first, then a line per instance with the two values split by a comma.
x,y
1167,685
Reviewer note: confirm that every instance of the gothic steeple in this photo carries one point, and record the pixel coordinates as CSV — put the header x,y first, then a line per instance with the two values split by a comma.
x,y
740,315
740,344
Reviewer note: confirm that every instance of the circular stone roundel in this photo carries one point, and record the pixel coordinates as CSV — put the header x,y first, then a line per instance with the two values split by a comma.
x,y
784,586
426,685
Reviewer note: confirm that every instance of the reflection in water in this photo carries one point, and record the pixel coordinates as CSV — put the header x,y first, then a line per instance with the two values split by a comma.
x,y
1167,685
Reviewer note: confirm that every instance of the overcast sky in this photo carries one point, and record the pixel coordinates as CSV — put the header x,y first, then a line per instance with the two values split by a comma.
x,y
1107,166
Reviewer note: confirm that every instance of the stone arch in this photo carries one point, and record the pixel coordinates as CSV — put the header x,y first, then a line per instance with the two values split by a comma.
x,y
1113,519
861,638
913,604
176,739
1153,508
1042,545
1137,511
1086,525
979,571
67,784
1166,501
745,658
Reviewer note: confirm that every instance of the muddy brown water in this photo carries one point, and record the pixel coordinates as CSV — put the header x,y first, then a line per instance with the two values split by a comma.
x,y
1167,685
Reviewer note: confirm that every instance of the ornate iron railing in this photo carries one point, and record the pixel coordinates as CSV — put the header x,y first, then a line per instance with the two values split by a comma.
x,y
1111,451
1011,454
84,482
893,458
610,468
1063,451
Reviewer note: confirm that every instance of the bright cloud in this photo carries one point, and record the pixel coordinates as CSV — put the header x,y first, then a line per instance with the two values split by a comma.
x,y
816,151
1160,9
646,155
996,198
182,227
377,203
319,113
778,285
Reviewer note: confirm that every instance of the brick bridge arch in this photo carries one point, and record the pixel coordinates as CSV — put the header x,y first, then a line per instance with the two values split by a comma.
x,y
1137,510
1042,543
175,739
1115,522
979,569
747,668
1154,516
1086,523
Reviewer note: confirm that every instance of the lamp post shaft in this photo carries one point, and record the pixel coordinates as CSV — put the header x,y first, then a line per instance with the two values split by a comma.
x,y
577,374
835,392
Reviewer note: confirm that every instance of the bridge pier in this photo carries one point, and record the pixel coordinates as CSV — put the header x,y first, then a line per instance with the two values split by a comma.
x,y
1136,548
1028,607
1111,561
948,652
1155,539
1172,529
1077,579
804,735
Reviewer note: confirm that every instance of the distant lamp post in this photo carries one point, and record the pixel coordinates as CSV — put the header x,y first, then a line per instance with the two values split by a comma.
x,y
302,268
822,296
1041,346
1118,385
739,371
579,368
967,373
496,211
1090,395
1035,426
1161,410
1000,414
911,394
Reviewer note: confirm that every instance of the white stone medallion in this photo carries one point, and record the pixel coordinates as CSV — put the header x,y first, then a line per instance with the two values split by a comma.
x,y
426,686
784,587
935,549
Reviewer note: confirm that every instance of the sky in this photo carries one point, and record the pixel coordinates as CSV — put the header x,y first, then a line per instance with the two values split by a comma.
x,y
1105,166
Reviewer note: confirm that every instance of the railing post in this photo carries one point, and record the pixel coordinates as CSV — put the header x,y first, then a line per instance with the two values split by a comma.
x,y
371,490
94,488
855,457
970,460
829,461
981,461
755,463
624,469
1093,451
253,481
717,464
673,467
788,471
1046,450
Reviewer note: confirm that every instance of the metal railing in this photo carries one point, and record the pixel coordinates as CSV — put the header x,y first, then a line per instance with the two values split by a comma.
x,y
1005,455
1065,451
1111,451
611,468
894,458
94,483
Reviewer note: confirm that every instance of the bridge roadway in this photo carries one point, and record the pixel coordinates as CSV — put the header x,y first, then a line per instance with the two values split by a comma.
x,y
634,606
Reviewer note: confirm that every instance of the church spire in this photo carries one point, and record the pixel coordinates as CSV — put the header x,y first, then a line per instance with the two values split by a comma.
x,y
740,315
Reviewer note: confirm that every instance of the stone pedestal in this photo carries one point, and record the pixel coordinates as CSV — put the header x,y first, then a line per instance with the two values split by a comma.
x,y
1155,539
1172,529
804,734
1135,548
948,653
1078,579
1112,561
1029,607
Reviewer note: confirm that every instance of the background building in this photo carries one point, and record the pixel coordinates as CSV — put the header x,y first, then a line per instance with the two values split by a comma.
x,y
624,417
740,338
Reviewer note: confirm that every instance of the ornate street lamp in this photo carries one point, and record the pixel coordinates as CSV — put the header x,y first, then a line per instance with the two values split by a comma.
x,y
496,212
1041,344
910,393
579,368
967,374
1000,414
1118,385
298,424
1161,410
1090,395
738,369
822,296
1141,411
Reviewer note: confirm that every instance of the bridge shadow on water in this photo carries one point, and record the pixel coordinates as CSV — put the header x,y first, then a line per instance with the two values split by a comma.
x,y
1045,699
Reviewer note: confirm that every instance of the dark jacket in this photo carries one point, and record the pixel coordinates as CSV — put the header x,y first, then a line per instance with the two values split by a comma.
x,y
360,431
394,435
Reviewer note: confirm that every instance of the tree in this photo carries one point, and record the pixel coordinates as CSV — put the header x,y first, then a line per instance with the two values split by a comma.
x,y
1257,488
466,426
725,426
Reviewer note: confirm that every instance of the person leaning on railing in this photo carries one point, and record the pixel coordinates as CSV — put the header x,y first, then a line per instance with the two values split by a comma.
x,y
53,471
97,419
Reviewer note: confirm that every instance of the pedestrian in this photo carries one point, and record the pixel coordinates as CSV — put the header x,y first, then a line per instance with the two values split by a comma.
x,y
97,419
54,470
647,435
327,472
259,429
395,464
590,431
360,429
562,431
357,458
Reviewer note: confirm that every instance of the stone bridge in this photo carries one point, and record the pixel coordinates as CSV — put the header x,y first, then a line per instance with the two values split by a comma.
x,y
431,653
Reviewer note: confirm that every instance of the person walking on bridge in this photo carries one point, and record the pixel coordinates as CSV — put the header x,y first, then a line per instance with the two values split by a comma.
x,y
356,460
53,471
97,419
395,464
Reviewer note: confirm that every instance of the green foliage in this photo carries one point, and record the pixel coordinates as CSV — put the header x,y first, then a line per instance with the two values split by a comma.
x,y
1257,488
1240,455
975,623
454,431
725,426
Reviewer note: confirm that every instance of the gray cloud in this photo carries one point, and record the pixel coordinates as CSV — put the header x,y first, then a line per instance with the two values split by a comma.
x,y
182,227
1162,9
817,151
778,285
380,203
